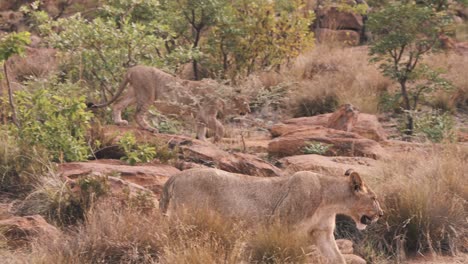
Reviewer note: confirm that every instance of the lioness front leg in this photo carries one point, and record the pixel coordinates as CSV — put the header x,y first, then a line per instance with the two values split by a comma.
x,y
325,241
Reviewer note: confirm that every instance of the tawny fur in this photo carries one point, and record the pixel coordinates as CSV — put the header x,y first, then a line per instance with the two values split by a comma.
x,y
344,118
148,84
306,201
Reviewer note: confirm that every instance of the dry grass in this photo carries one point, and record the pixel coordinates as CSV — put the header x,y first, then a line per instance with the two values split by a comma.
x,y
425,204
344,73
454,66
112,234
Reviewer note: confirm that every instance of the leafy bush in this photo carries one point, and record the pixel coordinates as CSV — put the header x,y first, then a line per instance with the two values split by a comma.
x,y
134,152
436,126
54,120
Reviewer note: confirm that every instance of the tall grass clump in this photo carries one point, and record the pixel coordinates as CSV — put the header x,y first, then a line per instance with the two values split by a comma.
x,y
62,202
331,76
277,244
425,207
21,167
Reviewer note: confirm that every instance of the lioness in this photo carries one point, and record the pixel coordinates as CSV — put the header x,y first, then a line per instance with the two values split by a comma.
x,y
149,84
306,201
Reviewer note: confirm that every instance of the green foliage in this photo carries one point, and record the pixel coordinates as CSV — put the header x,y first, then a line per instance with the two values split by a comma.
x,y
435,126
134,152
315,148
13,43
403,34
55,120
260,34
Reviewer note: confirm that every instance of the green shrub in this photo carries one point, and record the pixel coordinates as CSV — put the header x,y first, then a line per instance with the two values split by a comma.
x,y
134,152
436,126
55,120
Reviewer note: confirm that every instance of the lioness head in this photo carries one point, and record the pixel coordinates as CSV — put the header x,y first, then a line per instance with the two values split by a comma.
x,y
242,104
365,208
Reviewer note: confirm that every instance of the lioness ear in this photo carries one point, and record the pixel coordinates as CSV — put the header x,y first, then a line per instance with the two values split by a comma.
x,y
356,181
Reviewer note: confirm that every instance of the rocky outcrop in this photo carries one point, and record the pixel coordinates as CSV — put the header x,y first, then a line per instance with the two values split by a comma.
x,y
333,18
366,125
212,156
20,231
150,176
329,165
339,143
193,151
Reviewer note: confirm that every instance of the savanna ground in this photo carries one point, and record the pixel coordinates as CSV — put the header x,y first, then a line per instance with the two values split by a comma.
x,y
422,185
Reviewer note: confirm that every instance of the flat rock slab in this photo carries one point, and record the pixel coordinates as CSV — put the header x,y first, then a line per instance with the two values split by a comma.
x,y
330,165
340,143
242,163
19,231
367,126
151,176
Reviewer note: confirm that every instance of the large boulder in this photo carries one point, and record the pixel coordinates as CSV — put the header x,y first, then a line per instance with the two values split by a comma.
x,y
333,18
366,125
329,165
211,156
346,37
20,231
340,143
150,176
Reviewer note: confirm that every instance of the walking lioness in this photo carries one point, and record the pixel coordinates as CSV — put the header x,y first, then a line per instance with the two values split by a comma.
x,y
148,84
306,201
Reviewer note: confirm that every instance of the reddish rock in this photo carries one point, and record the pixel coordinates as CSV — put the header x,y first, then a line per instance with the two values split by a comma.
x,y
462,136
20,231
346,37
151,176
332,18
366,125
330,165
212,156
340,143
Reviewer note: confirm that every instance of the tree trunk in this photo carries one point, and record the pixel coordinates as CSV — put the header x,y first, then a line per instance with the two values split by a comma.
x,y
407,105
10,95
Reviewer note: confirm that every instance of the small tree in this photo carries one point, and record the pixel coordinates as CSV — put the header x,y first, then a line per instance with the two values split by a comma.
x,y
12,44
403,35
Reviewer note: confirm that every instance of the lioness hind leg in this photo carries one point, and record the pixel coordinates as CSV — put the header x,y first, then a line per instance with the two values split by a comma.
x,y
117,108
140,117
218,129
201,131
